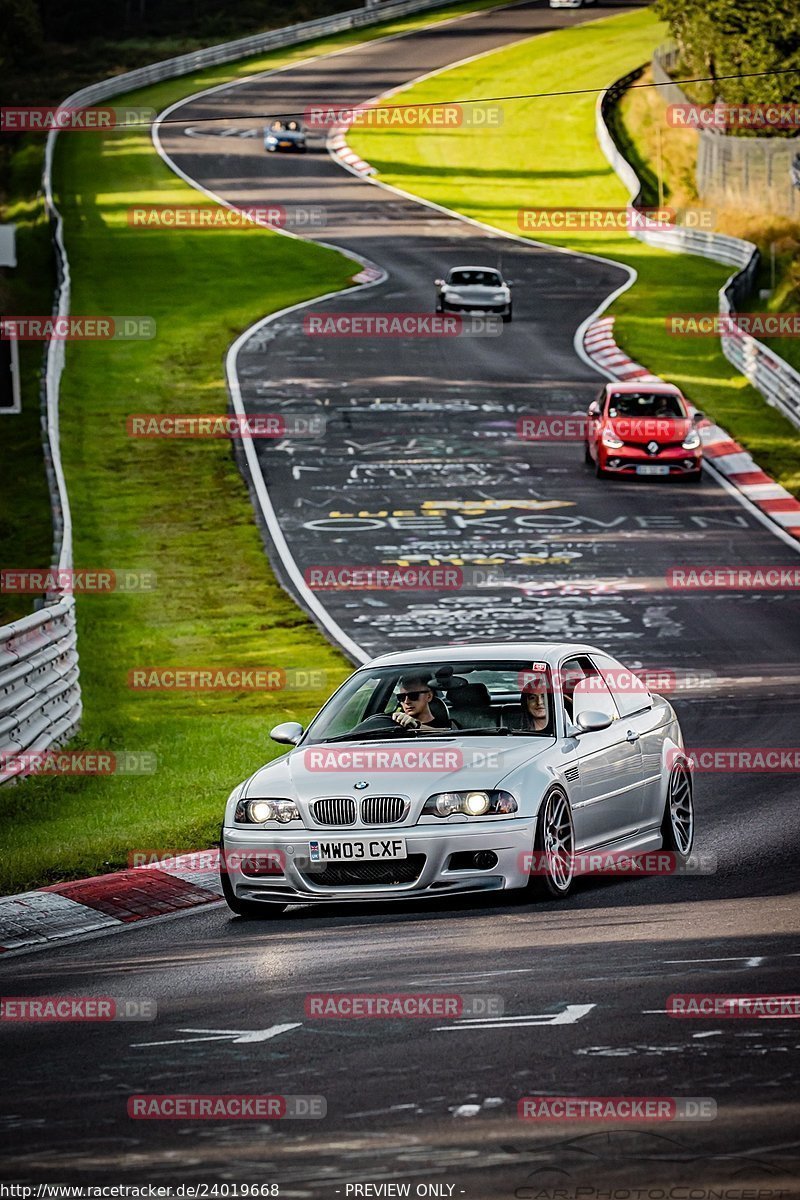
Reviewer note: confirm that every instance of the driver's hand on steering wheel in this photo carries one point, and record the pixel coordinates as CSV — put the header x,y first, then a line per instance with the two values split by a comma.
x,y
405,719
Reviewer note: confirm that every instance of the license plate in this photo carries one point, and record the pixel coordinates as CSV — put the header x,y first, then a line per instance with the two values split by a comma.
x,y
357,851
652,470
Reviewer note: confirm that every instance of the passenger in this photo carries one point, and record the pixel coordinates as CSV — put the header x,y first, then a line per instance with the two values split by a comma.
x,y
415,695
535,717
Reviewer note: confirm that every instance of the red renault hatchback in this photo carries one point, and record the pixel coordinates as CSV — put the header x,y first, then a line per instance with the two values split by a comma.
x,y
643,429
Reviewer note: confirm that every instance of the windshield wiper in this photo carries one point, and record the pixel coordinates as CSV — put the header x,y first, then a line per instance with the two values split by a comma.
x,y
367,734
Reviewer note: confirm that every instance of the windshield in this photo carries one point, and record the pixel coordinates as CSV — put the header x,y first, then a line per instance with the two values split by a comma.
x,y
475,279
644,404
507,695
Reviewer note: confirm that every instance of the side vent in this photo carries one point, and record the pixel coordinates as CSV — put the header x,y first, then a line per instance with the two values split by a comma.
x,y
572,774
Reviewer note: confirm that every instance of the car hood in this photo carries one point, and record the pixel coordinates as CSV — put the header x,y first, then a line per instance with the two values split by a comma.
x,y
411,767
641,430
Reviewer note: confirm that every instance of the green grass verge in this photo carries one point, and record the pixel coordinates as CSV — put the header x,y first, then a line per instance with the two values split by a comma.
x,y
178,508
546,155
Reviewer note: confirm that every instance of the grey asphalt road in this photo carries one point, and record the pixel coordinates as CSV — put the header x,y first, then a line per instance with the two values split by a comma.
x,y
420,438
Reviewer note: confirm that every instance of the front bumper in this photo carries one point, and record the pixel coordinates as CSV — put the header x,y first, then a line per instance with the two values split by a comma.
x,y
496,310
510,840
625,460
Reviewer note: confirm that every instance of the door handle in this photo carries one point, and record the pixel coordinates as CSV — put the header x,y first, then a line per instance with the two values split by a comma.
x,y
631,736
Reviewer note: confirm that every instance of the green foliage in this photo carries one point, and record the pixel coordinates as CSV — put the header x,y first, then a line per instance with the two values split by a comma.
x,y
721,38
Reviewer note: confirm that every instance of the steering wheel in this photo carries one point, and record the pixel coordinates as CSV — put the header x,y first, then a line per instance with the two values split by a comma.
x,y
378,721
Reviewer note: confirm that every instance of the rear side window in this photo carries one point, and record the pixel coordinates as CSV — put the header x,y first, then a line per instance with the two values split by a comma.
x,y
585,690
629,692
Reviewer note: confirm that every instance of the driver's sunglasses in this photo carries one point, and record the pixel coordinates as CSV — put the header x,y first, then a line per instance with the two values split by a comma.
x,y
401,696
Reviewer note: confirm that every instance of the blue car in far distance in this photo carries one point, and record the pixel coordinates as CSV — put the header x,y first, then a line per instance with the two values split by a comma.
x,y
285,135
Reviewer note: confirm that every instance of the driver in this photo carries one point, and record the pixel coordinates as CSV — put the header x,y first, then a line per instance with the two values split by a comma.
x,y
414,695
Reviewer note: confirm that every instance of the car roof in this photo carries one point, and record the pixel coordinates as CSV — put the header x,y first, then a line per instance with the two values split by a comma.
x,y
641,386
549,652
473,267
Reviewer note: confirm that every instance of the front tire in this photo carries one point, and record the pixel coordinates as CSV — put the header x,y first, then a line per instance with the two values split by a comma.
x,y
677,827
554,850
507,317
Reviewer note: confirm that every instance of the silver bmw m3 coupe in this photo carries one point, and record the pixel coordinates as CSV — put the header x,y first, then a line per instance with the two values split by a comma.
x,y
461,769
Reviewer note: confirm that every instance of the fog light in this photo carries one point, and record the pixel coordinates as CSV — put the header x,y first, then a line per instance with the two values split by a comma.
x,y
484,859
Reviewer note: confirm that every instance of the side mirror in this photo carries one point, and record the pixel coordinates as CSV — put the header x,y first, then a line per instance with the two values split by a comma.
x,y
591,722
288,733
594,410
439,282
698,417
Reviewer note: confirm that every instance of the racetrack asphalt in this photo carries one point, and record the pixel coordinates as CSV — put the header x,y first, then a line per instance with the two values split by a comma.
x,y
418,432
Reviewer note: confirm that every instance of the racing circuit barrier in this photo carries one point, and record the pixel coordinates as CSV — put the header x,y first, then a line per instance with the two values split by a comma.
x,y
40,697
772,376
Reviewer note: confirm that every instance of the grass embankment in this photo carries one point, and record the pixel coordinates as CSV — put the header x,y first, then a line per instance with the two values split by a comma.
x,y
644,125
545,155
177,508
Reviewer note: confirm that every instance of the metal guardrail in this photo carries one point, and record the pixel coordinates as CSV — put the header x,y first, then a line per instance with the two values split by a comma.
x,y
778,382
40,700
40,697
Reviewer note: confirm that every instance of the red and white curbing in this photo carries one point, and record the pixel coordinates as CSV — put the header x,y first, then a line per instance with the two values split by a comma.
x,y
66,910
337,144
721,451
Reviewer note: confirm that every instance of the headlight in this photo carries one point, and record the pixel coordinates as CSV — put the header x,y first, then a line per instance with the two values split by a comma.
x,y
500,296
610,440
473,804
692,440
257,812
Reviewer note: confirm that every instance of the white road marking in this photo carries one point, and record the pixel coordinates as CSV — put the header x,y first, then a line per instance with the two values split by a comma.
x,y
754,961
571,1014
237,1036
